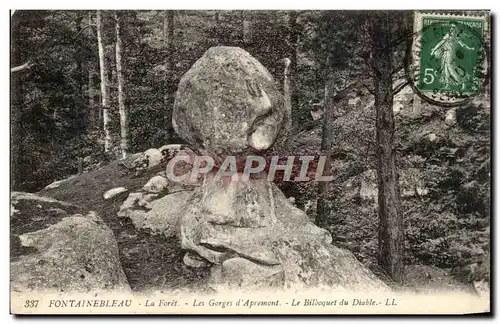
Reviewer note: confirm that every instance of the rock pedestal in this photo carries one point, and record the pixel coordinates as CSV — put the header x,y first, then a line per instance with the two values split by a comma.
x,y
247,231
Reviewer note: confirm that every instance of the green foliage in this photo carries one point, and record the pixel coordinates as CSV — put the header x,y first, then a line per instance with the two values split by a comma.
x,y
449,227
62,45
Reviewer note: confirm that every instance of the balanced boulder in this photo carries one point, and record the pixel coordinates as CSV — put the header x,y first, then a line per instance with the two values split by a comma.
x,y
228,103
252,236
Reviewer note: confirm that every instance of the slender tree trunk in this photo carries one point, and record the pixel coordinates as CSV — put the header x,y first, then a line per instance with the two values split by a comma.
x,y
79,114
288,96
246,28
94,115
293,40
391,227
94,111
169,88
104,83
217,18
124,120
16,104
323,206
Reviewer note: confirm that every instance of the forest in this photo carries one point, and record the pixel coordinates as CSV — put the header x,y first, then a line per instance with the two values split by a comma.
x,y
411,179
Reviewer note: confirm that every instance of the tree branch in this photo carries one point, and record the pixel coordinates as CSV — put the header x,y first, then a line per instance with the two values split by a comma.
x,y
81,31
30,63
370,90
25,66
400,87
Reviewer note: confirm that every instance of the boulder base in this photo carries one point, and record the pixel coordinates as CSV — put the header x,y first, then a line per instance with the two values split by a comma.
x,y
255,237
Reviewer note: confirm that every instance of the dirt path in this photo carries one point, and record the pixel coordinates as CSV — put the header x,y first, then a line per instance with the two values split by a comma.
x,y
149,261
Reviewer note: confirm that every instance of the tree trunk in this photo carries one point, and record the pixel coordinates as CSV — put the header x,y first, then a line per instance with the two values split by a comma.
x,y
169,87
417,105
79,115
246,28
323,205
94,111
293,39
94,114
287,96
391,227
104,83
16,104
124,120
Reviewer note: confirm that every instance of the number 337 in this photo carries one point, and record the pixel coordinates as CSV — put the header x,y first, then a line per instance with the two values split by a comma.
x,y
31,303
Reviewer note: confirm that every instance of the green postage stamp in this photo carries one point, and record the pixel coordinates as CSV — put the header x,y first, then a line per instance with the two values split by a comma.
x,y
452,53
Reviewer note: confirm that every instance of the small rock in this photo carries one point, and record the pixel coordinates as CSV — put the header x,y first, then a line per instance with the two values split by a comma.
x,y
58,183
397,106
58,212
114,192
168,151
147,160
353,101
157,215
193,261
451,117
482,288
431,137
156,184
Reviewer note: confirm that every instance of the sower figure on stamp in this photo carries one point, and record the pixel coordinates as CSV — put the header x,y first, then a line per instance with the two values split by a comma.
x,y
447,50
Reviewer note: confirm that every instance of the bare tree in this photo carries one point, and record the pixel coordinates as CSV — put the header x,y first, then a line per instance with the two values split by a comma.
x,y
288,95
391,226
78,112
292,41
217,18
124,119
323,208
169,88
104,83
246,27
94,111
16,99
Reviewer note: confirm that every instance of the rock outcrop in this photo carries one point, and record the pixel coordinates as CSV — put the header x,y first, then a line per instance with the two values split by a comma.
x,y
233,109
55,247
247,231
156,206
158,214
255,237
58,183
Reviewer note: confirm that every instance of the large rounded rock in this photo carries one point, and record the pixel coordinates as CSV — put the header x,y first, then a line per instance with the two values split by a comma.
x,y
228,104
56,248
